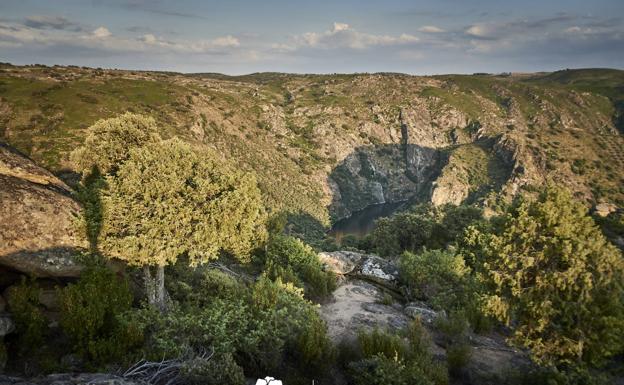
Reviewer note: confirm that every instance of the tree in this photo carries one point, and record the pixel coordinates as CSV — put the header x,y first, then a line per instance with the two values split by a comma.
x,y
109,141
167,200
555,279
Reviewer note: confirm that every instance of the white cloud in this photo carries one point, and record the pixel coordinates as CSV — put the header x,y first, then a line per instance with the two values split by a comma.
x,y
342,35
430,29
101,33
13,34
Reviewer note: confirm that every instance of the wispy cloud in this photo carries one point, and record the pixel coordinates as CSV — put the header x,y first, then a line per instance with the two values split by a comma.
x,y
430,29
51,22
342,35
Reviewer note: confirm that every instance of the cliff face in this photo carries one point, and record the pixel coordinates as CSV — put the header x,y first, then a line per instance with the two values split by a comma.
x,y
38,235
328,145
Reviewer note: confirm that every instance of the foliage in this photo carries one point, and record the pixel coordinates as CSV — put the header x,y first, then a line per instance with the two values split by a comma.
x,y
220,369
260,327
168,200
438,276
89,195
455,338
89,310
390,359
30,324
380,342
109,141
555,279
294,261
423,226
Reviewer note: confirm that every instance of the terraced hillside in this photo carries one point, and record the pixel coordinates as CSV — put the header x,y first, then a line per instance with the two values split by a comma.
x,y
328,145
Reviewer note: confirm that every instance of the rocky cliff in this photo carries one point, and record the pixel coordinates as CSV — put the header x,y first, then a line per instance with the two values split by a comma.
x,y
38,235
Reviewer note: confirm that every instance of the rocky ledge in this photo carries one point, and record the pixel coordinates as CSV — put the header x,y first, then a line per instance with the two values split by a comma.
x,y
38,232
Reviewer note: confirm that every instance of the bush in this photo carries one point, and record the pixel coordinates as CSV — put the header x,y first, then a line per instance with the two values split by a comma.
x,y
381,343
384,358
423,226
89,311
259,328
294,261
555,279
220,369
30,324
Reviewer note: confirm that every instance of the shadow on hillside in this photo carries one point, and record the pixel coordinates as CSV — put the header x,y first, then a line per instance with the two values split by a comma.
x,y
383,174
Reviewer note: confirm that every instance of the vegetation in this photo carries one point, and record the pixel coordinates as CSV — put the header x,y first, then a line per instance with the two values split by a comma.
x,y
89,311
293,261
389,359
167,200
555,278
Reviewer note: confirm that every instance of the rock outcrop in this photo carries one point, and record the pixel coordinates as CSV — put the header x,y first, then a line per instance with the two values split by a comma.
x,y
38,235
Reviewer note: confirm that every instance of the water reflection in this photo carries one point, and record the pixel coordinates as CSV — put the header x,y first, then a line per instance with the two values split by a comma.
x,y
362,222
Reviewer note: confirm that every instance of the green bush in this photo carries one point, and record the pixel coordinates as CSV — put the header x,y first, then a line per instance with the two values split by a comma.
x,y
89,316
294,261
379,342
30,324
220,369
261,328
442,278
384,358
423,226
554,278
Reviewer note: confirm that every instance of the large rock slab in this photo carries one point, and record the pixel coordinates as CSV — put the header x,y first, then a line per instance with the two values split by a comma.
x,y
356,306
341,262
38,235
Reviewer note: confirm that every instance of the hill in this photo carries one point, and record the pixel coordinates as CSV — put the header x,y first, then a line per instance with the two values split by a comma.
x,y
324,146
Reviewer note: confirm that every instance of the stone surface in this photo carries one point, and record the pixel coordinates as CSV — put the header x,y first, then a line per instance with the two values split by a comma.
x,y
340,262
604,209
38,234
379,270
355,306
6,325
417,310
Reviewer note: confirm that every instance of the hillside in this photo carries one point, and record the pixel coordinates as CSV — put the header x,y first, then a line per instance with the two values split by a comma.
x,y
328,145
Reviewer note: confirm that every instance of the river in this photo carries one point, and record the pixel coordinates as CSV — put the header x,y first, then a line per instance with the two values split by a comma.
x,y
362,222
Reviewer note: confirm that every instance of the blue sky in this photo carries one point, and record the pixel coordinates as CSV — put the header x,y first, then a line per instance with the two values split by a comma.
x,y
236,36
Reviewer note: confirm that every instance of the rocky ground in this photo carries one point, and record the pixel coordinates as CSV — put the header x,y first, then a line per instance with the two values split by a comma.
x,y
367,299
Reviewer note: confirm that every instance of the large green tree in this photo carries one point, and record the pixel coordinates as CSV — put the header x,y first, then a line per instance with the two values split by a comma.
x,y
555,279
108,142
167,200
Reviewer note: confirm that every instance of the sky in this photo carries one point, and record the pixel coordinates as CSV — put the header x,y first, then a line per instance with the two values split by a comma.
x,y
239,37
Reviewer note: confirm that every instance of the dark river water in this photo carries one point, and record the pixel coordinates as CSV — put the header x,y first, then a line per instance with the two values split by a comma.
x,y
362,222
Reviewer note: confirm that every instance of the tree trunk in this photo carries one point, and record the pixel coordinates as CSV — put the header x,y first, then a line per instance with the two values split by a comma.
x,y
160,288
150,287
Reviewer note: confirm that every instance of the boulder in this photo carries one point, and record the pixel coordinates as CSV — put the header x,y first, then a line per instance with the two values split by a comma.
x,y
604,209
417,310
38,234
381,271
6,325
341,262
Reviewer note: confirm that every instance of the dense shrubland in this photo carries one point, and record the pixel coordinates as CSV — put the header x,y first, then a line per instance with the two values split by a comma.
x,y
540,272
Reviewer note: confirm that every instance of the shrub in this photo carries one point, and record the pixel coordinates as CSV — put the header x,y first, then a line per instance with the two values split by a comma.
x,y
30,323
220,369
379,342
423,226
555,279
385,358
294,261
89,310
